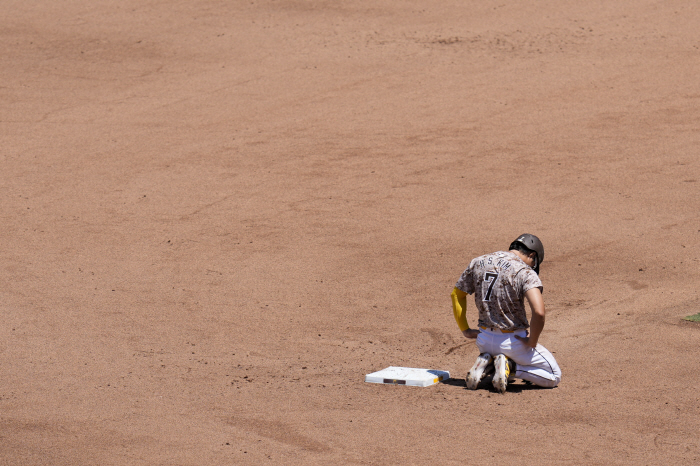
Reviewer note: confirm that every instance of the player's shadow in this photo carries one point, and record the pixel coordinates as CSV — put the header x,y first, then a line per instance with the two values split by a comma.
x,y
518,386
456,382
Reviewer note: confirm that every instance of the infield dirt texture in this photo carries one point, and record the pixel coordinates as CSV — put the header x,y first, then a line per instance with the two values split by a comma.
x,y
218,216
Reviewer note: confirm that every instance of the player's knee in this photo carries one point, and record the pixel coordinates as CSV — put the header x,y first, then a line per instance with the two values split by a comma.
x,y
554,381
548,383
551,381
557,376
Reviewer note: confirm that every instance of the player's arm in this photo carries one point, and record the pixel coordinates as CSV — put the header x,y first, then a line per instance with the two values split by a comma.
x,y
459,307
534,297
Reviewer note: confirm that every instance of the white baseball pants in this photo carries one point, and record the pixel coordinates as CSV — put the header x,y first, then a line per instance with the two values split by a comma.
x,y
536,365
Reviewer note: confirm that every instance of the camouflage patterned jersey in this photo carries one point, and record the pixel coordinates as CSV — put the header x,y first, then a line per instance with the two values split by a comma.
x,y
500,281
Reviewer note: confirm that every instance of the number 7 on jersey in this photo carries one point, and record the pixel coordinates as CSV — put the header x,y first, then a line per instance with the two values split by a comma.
x,y
489,280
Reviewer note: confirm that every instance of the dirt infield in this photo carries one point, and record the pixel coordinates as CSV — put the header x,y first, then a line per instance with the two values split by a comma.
x,y
218,216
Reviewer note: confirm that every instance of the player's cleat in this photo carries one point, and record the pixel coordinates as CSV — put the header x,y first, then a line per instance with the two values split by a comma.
x,y
477,370
502,367
511,369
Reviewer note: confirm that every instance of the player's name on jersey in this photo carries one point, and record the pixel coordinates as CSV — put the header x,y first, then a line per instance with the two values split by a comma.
x,y
503,264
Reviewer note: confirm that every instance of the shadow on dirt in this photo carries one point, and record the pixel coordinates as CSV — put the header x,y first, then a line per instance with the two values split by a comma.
x,y
518,386
455,382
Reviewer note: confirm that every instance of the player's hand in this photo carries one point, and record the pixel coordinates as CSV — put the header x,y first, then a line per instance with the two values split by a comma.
x,y
471,333
527,341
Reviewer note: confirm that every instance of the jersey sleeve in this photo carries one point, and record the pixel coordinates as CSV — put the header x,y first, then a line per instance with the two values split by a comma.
x,y
466,282
531,280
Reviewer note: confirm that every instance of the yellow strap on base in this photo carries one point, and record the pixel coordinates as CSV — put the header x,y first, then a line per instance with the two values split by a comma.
x,y
459,306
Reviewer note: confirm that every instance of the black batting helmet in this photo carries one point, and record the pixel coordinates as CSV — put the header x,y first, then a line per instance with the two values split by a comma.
x,y
533,243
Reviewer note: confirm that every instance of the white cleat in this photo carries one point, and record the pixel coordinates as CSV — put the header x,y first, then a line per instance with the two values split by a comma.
x,y
502,369
477,371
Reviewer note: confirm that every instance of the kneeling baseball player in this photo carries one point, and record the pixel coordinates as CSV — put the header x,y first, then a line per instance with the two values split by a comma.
x,y
501,281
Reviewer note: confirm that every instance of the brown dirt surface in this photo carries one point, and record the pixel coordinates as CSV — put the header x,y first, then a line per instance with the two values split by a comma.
x,y
218,216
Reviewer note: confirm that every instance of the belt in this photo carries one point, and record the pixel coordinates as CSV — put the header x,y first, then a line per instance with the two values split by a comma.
x,y
493,329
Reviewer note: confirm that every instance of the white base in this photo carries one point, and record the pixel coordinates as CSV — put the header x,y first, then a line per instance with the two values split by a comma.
x,y
407,376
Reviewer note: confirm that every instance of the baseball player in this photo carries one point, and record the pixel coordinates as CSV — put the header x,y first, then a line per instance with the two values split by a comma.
x,y
500,282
